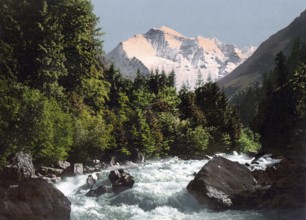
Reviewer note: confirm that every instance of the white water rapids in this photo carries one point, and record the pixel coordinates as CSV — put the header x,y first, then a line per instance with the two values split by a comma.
x,y
159,193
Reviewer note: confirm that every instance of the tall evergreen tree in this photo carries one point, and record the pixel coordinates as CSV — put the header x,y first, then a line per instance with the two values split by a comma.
x,y
141,139
281,115
9,38
222,119
51,49
276,125
281,69
140,81
171,79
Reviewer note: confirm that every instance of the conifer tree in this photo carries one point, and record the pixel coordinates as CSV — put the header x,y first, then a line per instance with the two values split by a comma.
x,y
200,81
171,79
282,111
141,138
9,38
140,81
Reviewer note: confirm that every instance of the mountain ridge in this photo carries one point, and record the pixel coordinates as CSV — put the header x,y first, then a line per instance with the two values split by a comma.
x,y
165,49
262,60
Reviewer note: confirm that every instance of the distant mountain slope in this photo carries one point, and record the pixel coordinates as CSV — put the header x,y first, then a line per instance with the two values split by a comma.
x,y
165,49
262,61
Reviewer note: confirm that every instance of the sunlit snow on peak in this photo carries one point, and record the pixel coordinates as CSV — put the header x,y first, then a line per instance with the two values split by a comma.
x,y
165,49
170,31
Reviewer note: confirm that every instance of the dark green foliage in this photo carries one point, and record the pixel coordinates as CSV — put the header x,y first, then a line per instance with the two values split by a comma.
x,y
221,118
139,133
140,81
35,32
298,87
53,46
158,81
32,123
189,108
281,69
151,118
91,136
247,104
280,104
10,36
190,141
171,79
117,85
82,50
285,110
52,83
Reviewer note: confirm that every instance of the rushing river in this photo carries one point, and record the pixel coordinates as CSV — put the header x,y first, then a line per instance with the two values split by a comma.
x,y
159,193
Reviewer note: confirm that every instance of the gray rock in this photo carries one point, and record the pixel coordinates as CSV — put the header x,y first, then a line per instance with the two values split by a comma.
x,y
286,186
222,183
100,190
62,164
49,170
91,181
20,167
34,199
78,168
121,180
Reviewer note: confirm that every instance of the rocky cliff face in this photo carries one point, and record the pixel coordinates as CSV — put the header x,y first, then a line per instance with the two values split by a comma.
x,y
165,49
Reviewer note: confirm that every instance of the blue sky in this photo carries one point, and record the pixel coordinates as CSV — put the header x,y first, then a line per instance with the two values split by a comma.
x,y
240,22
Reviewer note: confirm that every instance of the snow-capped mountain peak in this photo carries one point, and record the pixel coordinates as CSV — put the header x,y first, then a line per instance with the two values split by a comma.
x,y
166,49
169,31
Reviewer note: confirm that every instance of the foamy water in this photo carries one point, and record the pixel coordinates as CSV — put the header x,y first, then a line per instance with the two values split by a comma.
x,y
159,193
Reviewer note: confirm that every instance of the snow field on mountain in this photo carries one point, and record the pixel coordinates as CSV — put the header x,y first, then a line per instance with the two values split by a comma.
x,y
167,50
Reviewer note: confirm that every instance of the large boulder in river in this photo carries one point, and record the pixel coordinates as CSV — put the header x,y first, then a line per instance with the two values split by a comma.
x,y
121,180
34,199
222,183
20,167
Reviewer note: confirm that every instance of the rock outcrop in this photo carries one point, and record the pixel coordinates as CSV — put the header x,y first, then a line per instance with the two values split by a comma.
x,y
223,184
62,164
92,179
121,180
26,196
76,169
44,171
285,183
100,190
20,167
34,199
